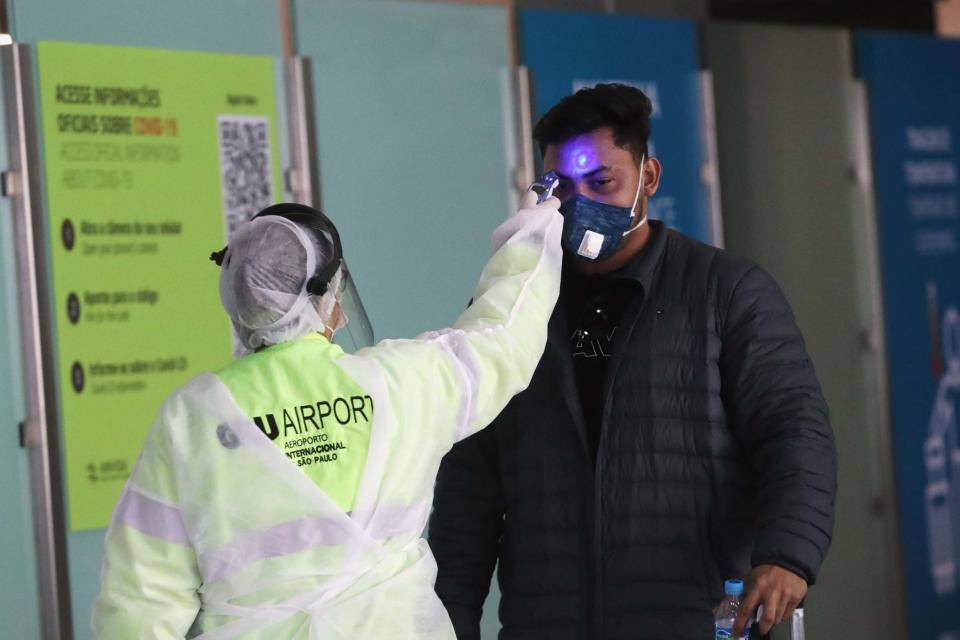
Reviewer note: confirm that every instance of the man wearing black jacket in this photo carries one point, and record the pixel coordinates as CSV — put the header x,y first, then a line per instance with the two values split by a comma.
x,y
674,434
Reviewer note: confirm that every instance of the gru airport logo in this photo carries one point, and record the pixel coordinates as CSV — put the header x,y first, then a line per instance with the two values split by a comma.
x,y
302,419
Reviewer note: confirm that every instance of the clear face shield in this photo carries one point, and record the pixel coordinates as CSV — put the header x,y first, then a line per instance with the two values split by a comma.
x,y
357,332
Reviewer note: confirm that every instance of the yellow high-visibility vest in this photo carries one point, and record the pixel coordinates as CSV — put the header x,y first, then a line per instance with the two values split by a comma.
x,y
309,408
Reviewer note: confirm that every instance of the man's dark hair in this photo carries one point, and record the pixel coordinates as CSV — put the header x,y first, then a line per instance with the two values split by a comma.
x,y
626,110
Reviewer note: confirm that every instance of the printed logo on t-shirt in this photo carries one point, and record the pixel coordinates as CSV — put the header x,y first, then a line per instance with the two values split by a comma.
x,y
598,345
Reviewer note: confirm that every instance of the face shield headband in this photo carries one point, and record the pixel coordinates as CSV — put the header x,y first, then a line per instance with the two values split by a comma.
x,y
318,224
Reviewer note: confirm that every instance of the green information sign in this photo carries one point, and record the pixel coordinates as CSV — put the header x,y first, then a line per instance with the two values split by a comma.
x,y
151,158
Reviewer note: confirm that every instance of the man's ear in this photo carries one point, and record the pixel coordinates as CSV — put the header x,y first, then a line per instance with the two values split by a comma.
x,y
651,176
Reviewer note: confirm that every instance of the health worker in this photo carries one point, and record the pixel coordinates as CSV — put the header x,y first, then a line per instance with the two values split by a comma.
x,y
284,496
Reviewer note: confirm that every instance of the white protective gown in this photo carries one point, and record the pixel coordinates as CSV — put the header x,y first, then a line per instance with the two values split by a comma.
x,y
219,531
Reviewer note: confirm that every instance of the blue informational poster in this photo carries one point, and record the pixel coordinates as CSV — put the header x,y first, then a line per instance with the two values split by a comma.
x,y
566,51
913,83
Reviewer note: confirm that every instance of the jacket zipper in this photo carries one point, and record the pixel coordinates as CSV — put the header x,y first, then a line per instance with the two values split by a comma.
x,y
597,618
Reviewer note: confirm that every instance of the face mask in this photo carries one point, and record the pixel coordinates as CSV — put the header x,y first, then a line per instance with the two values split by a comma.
x,y
341,321
593,230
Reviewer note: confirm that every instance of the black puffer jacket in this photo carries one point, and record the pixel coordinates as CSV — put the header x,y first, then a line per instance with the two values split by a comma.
x,y
715,454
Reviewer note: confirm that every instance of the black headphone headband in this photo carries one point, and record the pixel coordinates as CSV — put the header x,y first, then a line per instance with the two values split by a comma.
x,y
322,228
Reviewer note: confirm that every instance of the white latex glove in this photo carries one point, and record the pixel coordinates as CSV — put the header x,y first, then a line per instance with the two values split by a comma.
x,y
549,208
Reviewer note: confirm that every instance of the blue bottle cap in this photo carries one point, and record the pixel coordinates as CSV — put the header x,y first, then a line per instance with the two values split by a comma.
x,y
733,587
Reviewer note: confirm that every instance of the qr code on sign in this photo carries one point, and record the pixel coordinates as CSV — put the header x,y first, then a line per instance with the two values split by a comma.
x,y
246,173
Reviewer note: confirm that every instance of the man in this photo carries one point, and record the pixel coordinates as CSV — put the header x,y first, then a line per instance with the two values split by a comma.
x,y
285,495
674,434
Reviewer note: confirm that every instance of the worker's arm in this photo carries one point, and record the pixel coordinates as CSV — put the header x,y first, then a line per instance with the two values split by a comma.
x,y
149,580
447,384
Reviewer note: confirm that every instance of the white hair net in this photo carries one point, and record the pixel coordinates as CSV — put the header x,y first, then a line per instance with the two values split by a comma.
x,y
263,283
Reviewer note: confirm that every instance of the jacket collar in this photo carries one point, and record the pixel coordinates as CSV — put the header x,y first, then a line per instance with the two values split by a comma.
x,y
643,266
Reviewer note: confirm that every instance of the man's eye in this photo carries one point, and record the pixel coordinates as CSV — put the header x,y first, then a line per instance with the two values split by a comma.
x,y
603,182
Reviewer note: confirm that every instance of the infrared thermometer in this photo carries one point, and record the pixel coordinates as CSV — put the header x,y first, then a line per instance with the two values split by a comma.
x,y
544,186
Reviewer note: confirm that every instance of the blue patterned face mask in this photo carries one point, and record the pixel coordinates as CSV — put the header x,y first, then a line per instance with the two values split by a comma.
x,y
593,230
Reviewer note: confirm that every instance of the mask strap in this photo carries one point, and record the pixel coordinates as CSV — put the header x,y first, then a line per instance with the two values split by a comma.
x,y
636,199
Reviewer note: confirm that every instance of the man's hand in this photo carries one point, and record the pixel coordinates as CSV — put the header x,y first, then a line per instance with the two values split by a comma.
x,y
778,590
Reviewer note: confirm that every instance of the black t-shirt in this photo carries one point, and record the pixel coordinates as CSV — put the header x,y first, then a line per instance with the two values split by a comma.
x,y
594,307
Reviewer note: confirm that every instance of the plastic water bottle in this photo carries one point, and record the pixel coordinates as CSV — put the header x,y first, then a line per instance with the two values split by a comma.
x,y
727,612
